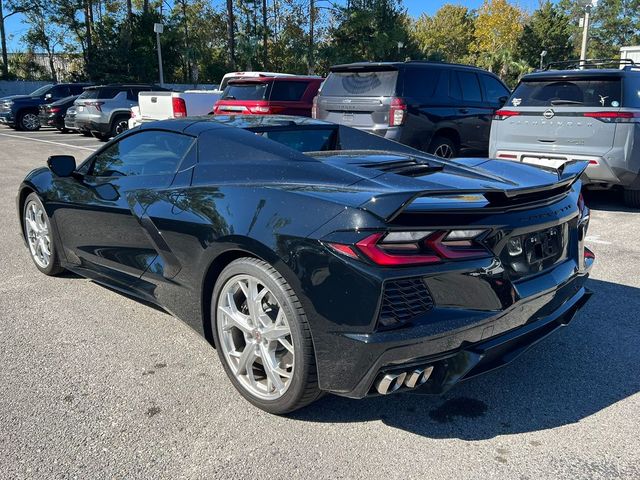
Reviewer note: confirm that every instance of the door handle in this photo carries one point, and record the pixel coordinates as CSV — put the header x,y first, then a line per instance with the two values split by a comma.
x,y
463,110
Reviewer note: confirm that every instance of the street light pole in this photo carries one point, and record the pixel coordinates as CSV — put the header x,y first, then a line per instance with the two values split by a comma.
x,y
159,28
585,32
543,53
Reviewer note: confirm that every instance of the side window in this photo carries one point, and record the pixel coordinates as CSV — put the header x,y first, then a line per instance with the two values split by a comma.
x,y
470,86
132,94
149,152
76,89
455,91
288,91
421,82
493,89
60,91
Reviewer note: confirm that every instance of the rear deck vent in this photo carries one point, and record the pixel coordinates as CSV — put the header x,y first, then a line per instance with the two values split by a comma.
x,y
404,300
408,168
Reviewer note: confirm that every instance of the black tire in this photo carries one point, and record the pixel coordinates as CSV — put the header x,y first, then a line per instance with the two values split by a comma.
x,y
632,198
28,121
86,133
303,388
119,124
53,268
62,130
443,147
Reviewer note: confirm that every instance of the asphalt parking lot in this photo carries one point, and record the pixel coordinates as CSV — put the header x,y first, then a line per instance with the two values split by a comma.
x,y
96,385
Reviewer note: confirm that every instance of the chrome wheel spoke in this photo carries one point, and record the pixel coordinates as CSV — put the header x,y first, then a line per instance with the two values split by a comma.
x,y
270,368
246,359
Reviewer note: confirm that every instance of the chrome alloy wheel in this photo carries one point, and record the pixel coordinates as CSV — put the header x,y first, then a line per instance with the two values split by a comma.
x,y
255,337
443,151
30,121
37,231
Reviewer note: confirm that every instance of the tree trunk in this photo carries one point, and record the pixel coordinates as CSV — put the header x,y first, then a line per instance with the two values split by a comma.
x,y
265,36
145,7
187,76
231,35
129,11
3,40
88,21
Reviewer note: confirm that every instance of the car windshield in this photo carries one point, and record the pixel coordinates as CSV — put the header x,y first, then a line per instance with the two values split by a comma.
x,y
41,91
584,92
363,84
246,91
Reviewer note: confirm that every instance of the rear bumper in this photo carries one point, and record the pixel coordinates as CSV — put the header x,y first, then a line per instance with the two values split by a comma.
x,y
612,168
92,125
51,121
464,344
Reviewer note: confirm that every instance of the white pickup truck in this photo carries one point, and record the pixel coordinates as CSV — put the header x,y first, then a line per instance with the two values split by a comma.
x,y
154,106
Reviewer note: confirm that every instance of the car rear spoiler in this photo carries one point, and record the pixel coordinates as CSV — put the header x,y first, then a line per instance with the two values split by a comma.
x,y
389,206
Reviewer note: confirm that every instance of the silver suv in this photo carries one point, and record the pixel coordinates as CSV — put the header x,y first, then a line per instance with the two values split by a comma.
x,y
585,113
105,110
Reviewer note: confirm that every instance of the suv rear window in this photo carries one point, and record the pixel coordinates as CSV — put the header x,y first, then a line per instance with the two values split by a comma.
x,y
246,91
584,92
361,84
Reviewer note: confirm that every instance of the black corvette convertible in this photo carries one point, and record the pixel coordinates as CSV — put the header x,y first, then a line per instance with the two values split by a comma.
x,y
316,257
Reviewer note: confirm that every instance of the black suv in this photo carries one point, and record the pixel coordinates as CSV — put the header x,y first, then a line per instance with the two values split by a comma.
x,y
440,108
21,111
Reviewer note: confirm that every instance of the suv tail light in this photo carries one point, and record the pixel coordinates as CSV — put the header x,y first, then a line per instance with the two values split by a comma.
x,y
397,112
262,109
98,105
615,117
314,107
179,107
416,248
502,114
54,109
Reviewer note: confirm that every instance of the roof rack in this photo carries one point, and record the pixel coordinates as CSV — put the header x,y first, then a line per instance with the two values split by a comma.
x,y
595,63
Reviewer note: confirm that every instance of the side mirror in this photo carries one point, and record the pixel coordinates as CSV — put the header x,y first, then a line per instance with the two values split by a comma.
x,y
62,165
502,101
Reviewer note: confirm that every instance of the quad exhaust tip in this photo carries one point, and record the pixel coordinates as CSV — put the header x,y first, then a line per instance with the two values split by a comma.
x,y
390,382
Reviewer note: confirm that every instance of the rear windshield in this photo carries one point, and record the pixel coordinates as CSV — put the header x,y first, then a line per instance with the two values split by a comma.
x,y
361,84
102,92
312,140
246,91
584,92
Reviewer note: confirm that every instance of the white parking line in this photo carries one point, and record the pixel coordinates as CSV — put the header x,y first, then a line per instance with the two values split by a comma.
x,y
21,137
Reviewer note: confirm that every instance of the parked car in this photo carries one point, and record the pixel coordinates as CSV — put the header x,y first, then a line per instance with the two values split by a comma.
x,y
105,110
580,112
53,114
283,95
22,111
163,105
317,257
439,108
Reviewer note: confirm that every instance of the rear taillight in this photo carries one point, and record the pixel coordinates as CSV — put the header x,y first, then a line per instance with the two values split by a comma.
x,y
503,114
314,107
179,107
397,112
261,109
416,247
614,117
97,105
54,109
